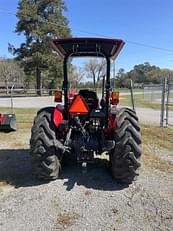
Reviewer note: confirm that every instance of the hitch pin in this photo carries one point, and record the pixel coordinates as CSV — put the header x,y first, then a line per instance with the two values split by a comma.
x,y
84,167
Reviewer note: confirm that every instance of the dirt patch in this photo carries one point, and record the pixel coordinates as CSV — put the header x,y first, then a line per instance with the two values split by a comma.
x,y
67,219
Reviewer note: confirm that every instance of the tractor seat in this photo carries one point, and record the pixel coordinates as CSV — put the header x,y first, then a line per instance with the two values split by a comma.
x,y
90,98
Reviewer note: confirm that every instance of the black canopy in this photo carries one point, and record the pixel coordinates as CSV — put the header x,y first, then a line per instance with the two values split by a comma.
x,y
76,47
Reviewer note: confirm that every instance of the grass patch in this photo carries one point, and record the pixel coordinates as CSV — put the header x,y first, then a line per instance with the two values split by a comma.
x,y
153,161
155,139
20,138
159,137
5,186
139,101
23,115
15,140
3,183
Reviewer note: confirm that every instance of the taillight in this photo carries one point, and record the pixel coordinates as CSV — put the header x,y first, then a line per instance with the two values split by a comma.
x,y
58,96
115,97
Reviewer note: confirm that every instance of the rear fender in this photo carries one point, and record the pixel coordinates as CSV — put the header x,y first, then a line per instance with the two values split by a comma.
x,y
112,124
57,116
2,117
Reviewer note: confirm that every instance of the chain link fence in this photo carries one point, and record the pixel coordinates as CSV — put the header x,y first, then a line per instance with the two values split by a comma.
x,y
166,118
169,104
25,92
153,93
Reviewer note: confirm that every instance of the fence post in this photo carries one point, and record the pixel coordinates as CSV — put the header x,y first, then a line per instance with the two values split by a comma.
x,y
131,92
12,105
167,101
163,102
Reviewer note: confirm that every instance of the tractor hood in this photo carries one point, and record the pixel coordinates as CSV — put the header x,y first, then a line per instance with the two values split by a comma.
x,y
79,47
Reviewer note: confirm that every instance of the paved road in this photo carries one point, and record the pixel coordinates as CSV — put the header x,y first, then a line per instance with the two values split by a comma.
x,y
146,115
28,102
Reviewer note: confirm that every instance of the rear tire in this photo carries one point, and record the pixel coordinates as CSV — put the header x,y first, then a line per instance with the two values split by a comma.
x,y
44,156
125,157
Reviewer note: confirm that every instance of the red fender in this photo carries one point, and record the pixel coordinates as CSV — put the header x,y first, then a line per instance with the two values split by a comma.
x,y
112,124
2,117
57,117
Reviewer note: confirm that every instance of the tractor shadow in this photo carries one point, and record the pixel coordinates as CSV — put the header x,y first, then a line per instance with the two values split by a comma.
x,y
15,170
96,176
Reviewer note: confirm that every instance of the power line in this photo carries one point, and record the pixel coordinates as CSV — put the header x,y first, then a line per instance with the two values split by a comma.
x,y
97,34
7,12
149,46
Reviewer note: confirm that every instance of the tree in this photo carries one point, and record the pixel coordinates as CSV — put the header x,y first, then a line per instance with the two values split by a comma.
x,y
95,69
10,73
140,72
143,73
76,74
119,81
40,21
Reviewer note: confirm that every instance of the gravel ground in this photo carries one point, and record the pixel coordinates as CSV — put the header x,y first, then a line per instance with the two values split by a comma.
x,y
79,201
90,201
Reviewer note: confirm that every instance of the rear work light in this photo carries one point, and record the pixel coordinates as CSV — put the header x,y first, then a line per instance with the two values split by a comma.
x,y
58,96
115,97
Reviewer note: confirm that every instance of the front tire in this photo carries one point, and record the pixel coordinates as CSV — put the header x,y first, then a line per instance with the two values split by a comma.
x,y
44,156
125,157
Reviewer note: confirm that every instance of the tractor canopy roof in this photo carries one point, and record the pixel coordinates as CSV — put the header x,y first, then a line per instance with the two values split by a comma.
x,y
79,47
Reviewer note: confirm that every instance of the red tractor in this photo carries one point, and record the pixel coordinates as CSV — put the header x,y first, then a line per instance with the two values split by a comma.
x,y
86,126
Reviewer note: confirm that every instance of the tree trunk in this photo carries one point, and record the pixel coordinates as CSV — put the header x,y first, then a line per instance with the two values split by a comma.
x,y
38,81
94,80
6,85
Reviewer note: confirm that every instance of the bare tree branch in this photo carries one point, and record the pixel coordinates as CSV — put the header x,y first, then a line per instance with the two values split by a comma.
x,y
95,69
